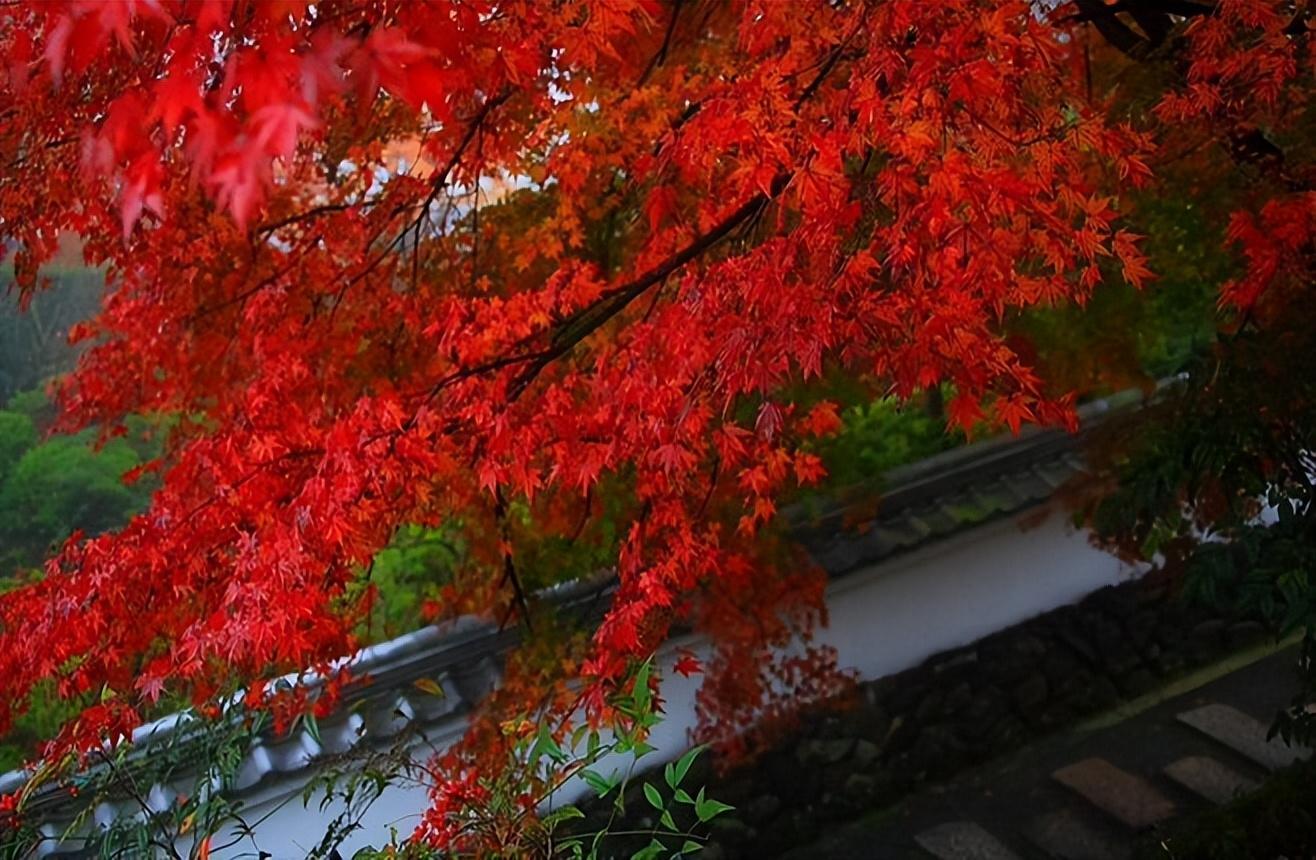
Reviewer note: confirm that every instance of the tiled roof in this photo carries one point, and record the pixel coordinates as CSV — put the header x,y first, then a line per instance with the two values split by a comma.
x,y
895,529
919,503
934,498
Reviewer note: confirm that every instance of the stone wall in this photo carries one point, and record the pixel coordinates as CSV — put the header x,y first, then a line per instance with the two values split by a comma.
x,y
960,708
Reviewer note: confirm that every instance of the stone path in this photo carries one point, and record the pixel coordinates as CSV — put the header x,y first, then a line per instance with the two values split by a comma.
x,y
1091,793
963,839
1128,799
1066,835
1209,779
1241,733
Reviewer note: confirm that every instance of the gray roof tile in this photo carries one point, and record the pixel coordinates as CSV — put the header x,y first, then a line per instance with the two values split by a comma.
x,y
922,502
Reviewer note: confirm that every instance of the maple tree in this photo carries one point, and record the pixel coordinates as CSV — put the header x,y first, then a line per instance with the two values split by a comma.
x,y
1212,484
474,262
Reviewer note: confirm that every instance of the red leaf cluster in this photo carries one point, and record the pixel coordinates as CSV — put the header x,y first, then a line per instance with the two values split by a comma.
x,y
397,263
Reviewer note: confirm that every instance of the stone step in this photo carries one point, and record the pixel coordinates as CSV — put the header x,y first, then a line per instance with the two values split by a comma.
x,y
1243,734
1209,779
962,840
1129,799
1064,835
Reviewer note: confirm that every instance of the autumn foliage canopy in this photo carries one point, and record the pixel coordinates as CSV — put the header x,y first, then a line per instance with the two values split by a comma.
x,y
422,262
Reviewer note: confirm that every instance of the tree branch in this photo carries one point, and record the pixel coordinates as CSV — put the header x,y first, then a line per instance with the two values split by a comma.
x,y
661,57
1153,17
510,574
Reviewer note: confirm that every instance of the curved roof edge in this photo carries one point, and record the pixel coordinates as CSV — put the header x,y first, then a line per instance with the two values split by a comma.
x,y
928,500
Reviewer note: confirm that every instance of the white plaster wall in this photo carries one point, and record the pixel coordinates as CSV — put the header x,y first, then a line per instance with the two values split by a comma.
x,y
953,592
884,619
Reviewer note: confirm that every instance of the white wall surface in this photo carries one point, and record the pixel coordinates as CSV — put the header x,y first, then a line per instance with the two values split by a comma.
x,y
884,619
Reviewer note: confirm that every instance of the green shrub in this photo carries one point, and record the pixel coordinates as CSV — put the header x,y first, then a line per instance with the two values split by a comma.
x,y
1277,820
17,435
61,486
879,435
51,488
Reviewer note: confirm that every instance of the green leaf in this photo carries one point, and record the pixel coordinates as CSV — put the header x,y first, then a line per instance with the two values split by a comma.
x,y
546,745
648,852
683,796
666,820
706,809
691,847
600,784
641,694
682,766
313,728
651,794
565,813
